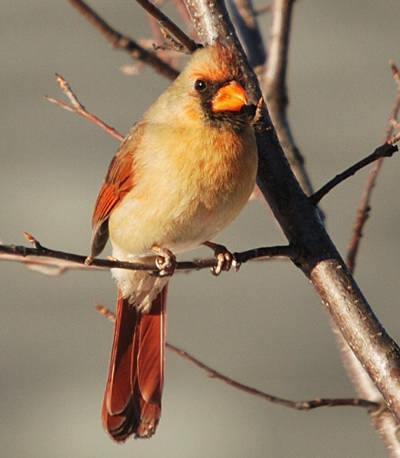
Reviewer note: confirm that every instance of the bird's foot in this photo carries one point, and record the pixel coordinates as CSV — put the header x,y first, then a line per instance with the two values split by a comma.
x,y
225,259
89,260
165,261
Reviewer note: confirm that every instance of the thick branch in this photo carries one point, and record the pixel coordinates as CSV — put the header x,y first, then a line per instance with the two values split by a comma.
x,y
300,221
296,405
383,422
124,42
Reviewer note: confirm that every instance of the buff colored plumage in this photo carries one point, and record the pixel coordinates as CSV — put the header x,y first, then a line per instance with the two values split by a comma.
x,y
182,174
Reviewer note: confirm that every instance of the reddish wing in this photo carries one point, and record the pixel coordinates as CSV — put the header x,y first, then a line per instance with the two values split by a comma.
x,y
118,182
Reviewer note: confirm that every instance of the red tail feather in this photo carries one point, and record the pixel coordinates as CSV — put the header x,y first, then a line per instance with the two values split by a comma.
x,y
132,400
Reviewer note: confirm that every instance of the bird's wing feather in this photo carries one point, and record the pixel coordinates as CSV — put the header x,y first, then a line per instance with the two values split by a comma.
x,y
118,182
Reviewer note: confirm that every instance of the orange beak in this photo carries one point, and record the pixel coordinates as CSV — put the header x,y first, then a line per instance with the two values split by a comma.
x,y
231,97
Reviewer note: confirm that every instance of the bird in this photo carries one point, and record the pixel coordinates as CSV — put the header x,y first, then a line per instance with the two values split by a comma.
x,y
181,175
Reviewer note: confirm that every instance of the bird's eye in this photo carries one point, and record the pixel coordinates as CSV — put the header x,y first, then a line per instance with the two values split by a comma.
x,y
200,85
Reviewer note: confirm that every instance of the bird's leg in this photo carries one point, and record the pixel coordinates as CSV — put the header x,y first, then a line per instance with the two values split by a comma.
x,y
165,261
225,259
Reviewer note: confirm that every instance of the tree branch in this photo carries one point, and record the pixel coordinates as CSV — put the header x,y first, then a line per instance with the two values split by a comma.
x,y
62,261
77,107
275,90
267,8
300,221
243,16
364,205
385,150
296,405
167,24
383,421
123,42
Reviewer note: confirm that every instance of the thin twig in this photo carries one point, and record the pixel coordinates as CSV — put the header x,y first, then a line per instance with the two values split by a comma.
x,y
296,405
123,42
184,15
385,150
263,9
77,107
167,24
61,260
364,206
362,214
275,88
244,18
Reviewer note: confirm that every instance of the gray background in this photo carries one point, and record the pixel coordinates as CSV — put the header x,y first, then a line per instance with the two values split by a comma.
x,y
263,326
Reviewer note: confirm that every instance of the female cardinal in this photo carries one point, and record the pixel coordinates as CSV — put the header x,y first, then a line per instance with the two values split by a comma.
x,y
180,176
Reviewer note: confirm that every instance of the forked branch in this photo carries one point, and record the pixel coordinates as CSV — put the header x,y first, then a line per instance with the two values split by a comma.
x,y
77,107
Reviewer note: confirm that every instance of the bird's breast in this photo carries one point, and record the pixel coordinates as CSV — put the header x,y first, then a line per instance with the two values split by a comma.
x,y
189,184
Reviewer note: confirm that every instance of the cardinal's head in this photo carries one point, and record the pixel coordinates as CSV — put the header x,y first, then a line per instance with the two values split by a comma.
x,y
210,89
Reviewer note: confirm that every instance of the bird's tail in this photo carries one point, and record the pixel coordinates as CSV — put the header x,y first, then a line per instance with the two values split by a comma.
x,y
132,399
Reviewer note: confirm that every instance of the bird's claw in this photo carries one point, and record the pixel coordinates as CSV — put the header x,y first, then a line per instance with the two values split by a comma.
x,y
89,260
225,259
377,412
165,262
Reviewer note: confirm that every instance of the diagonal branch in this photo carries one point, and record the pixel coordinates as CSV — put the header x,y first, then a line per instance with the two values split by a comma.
x,y
385,150
244,18
267,8
383,422
167,24
275,90
296,405
77,107
300,221
123,42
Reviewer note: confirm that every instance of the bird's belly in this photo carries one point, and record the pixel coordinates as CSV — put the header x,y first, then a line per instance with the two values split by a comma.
x,y
179,225
204,223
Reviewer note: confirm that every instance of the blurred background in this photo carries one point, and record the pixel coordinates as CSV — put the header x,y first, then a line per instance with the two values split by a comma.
x,y
263,326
